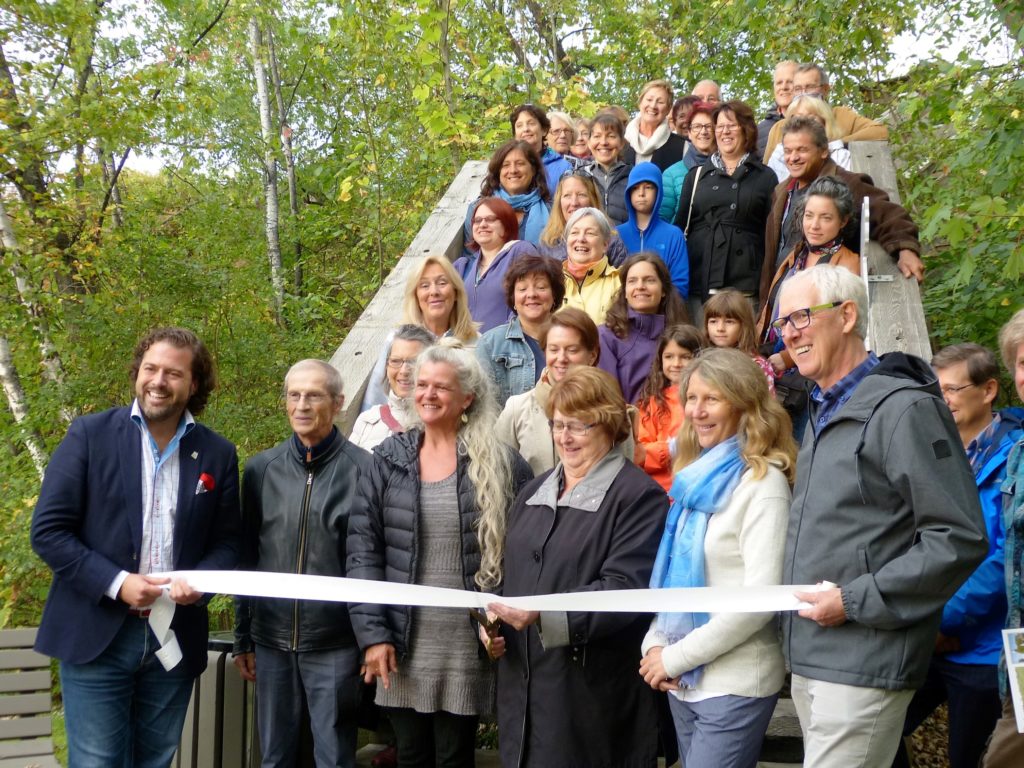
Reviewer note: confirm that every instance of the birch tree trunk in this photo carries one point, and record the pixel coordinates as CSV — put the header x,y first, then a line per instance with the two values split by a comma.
x,y
289,161
269,170
53,367
16,402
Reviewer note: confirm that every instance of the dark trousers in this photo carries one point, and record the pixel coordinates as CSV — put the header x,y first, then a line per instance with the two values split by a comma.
x,y
972,691
434,739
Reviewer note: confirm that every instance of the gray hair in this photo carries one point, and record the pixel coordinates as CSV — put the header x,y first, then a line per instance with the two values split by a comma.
x,y
836,284
565,118
810,126
490,466
408,332
599,218
332,378
1011,336
809,67
832,187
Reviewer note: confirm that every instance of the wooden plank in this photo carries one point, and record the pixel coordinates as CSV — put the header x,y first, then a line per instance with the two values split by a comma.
x,y
896,321
35,761
11,682
22,658
25,727
441,234
26,747
18,638
25,704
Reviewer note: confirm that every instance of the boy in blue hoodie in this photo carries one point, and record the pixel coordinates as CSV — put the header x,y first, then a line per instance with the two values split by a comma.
x,y
646,231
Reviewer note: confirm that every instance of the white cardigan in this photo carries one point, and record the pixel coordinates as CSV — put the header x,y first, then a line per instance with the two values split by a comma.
x,y
744,545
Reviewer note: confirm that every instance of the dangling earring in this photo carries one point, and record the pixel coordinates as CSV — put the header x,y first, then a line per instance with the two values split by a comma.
x,y
464,418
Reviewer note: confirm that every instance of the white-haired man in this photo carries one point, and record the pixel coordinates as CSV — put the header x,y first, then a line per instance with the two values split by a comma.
x,y
885,508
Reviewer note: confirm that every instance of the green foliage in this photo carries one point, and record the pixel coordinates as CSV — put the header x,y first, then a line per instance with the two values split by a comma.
x,y
384,102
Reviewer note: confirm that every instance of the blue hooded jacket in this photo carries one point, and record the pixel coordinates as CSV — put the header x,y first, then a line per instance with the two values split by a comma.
x,y
659,237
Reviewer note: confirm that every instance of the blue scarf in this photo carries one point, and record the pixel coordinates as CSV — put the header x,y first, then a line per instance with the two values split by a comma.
x,y
535,212
699,490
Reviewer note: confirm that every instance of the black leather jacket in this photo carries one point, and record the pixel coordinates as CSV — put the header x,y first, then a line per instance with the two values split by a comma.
x,y
295,517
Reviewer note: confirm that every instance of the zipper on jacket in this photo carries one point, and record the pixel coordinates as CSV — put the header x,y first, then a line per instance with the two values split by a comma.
x,y
301,554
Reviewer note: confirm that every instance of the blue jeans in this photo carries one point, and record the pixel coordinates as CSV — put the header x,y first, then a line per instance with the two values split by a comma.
x,y
329,682
725,731
123,708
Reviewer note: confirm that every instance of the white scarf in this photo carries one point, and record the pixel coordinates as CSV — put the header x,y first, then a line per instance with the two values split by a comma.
x,y
646,146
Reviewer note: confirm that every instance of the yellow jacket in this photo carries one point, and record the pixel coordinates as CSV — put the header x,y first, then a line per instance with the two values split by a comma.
x,y
597,293
852,127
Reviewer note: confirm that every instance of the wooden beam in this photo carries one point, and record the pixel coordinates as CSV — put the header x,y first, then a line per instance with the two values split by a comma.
x,y
441,234
896,321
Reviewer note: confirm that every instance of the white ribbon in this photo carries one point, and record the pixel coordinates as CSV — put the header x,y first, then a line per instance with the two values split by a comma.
x,y
766,599
160,614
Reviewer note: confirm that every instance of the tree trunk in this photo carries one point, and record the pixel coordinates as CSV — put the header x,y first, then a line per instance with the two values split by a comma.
x,y
289,161
53,367
16,402
269,170
446,71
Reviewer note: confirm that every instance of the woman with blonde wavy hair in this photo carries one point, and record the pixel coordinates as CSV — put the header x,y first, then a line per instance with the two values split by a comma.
x,y
436,501
435,298
735,461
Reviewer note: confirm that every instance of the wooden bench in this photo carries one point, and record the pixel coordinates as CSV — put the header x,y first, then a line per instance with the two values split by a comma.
x,y
24,703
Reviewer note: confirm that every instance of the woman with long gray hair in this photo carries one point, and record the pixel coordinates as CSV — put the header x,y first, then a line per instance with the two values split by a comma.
x,y
436,500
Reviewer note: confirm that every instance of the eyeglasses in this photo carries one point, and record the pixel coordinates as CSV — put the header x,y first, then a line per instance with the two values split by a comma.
x,y
574,428
954,390
484,220
807,90
397,363
561,131
726,128
801,318
702,128
312,398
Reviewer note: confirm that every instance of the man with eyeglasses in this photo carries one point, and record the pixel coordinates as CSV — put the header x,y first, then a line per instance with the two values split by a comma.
x,y
296,501
964,667
812,80
885,518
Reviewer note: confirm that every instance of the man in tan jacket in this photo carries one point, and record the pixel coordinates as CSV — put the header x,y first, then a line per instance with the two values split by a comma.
x,y
811,80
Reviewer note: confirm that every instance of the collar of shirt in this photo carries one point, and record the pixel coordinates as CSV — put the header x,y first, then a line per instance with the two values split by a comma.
x,y
312,453
185,425
979,448
835,397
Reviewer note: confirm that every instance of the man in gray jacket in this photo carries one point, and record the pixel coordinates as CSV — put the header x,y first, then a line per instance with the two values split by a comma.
x,y
885,507
296,501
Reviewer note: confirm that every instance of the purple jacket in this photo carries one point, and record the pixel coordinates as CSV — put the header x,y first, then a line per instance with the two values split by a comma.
x,y
487,296
629,359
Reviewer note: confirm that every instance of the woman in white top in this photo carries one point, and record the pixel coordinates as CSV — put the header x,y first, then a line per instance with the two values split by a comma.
x,y
726,527
381,421
812,106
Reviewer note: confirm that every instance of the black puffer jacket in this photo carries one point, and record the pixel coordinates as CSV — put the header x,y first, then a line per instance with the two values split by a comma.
x,y
383,536
295,519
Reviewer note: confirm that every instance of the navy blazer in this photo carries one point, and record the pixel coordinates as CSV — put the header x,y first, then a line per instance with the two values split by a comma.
x,y
87,527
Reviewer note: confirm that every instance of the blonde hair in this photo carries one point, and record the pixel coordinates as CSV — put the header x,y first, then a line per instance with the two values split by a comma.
x,y
554,231
460,322
765,432
489,465
817,107
1011,336
662,84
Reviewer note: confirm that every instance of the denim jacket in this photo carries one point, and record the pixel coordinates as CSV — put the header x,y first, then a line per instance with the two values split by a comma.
x,y
505,354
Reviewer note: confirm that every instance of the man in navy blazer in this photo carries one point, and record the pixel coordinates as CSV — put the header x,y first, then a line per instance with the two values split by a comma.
x,y
128,493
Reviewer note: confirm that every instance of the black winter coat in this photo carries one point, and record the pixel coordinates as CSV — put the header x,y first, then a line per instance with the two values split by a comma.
x,y
295,520
665,156
581,704
727,228
383,537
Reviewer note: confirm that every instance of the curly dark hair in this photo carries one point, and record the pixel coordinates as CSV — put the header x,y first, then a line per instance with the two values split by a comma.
x,y
527,265
671,305
492,181
204,376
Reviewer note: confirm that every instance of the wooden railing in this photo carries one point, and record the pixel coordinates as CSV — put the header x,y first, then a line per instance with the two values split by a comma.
x,y
896,318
